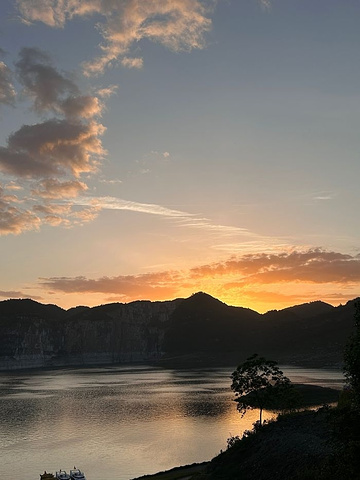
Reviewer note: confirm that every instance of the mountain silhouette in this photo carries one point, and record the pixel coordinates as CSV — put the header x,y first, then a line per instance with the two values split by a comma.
x,y
34,334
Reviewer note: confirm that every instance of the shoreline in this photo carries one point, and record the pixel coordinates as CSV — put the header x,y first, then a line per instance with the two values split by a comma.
x,y
314,397
176,473
231,360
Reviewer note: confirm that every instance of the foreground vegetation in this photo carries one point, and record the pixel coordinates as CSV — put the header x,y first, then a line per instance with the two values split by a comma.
x,y
307,445
322,444
178,473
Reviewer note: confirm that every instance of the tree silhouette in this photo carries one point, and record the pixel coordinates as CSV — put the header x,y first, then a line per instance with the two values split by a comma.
x,y
352,358
259,383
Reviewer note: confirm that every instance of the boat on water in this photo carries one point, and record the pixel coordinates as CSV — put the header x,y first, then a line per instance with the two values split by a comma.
x,y
77,474
62,475
47,476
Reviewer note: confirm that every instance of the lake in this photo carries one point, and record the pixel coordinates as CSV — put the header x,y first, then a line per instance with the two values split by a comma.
x,y
117,423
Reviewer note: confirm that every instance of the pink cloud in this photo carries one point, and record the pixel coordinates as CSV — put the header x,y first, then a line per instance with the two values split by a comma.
x,y
14,220
321,267
176,24
52,188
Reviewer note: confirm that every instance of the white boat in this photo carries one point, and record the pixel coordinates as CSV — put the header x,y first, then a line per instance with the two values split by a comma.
x,y
62,475
77,474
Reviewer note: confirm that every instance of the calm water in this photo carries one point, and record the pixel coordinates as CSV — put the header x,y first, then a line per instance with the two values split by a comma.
x,y
118,423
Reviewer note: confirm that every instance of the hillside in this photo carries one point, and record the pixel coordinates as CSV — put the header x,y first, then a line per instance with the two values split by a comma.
x,y
282,449
193,331
203,323
307,445
315,332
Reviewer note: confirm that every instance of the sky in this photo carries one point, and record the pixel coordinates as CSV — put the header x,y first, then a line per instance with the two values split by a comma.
x,y
150,149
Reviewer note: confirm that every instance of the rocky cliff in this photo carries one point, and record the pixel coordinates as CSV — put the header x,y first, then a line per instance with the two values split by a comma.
x,y
36,335
199,327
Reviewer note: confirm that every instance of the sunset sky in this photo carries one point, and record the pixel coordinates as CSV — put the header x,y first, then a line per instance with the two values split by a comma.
x,y
150,149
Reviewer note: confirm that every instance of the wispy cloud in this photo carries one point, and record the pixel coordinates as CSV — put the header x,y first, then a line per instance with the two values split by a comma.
x,y
7,90
52,209
113,203
177,24
124,287
107,92
132,62
182,219
323,196
110,181
52,188
85,215
17,294
258,244
266,4
64,215
13,186
15,220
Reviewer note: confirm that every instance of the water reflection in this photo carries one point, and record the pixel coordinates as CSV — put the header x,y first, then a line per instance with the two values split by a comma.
x,y
119,423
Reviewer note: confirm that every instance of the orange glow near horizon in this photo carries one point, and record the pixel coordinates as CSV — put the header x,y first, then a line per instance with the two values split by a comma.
x,y
261,282
254,297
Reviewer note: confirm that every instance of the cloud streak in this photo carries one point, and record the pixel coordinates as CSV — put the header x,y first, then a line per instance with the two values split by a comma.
x,y
152,285
183,219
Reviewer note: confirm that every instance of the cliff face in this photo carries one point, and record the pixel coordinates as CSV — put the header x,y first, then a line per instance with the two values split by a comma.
x,y
35,335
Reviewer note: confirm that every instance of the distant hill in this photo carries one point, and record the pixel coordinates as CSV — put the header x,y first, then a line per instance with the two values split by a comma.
x,y
192,330
313,333
203,323
29,308
306,310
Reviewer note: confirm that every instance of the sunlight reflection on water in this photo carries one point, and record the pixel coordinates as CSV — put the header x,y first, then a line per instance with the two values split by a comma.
x,y
120,422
